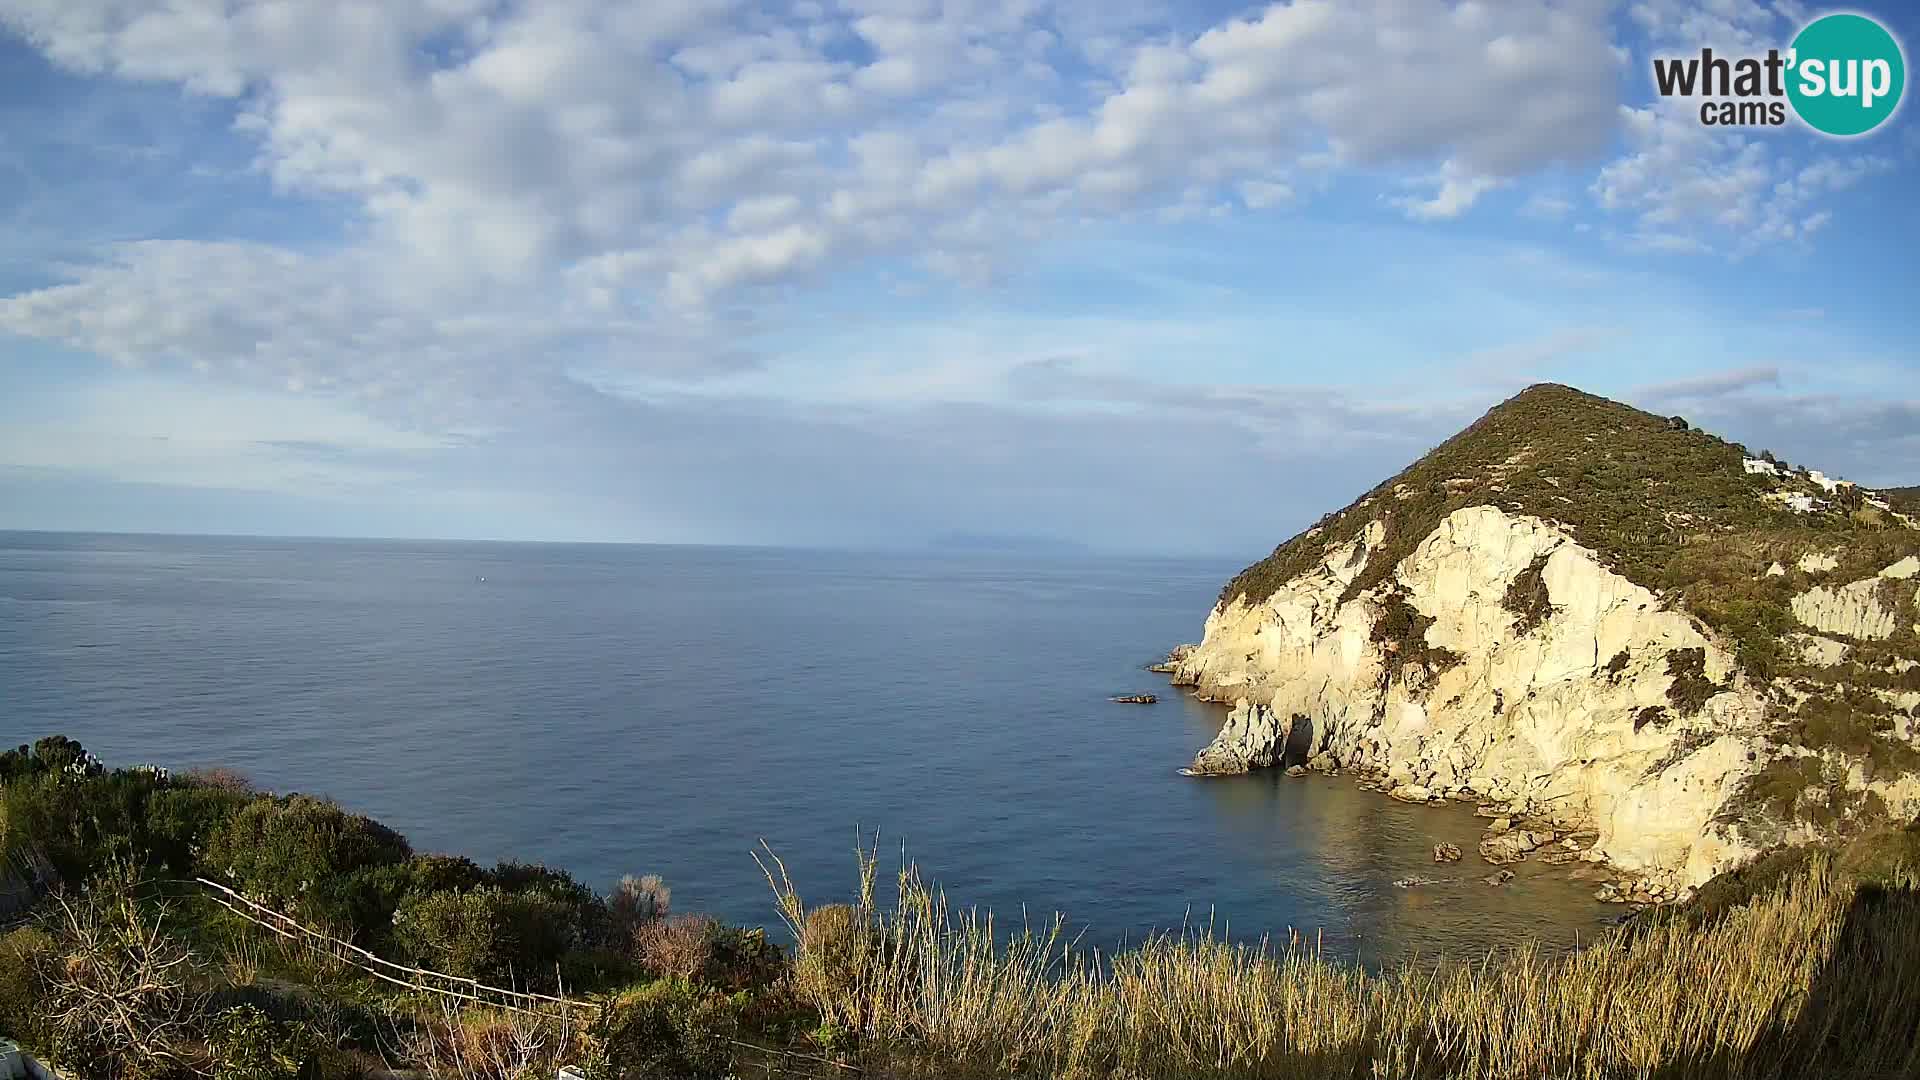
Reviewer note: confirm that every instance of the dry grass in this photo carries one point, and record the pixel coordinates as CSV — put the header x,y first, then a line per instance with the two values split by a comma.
x,y
1817,978
492,1044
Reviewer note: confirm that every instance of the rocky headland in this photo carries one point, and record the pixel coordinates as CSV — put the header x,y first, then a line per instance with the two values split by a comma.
x,y
1632,644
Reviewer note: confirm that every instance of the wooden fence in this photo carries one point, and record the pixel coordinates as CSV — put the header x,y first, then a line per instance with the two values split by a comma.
x,y
404,975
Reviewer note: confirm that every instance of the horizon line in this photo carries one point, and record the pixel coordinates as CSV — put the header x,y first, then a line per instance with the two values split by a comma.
x,y
927,547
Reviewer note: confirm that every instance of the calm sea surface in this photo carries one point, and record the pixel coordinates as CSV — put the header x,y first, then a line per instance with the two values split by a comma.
x,y
617,709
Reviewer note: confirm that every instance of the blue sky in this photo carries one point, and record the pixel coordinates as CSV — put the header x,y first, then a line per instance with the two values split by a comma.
x,y
866,271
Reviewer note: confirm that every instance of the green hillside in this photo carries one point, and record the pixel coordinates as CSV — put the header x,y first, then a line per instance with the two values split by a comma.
x,y
1668,506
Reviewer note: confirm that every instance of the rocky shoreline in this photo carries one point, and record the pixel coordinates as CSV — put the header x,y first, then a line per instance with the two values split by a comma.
x,y
1518,830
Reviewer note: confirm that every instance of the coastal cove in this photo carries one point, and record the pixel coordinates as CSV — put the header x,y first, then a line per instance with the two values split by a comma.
x,y
618,710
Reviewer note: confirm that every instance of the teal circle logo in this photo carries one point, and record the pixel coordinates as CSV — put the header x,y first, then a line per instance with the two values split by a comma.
x,y
1847,74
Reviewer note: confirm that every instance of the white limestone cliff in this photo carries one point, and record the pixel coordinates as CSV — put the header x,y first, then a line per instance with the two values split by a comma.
x,y
1567,722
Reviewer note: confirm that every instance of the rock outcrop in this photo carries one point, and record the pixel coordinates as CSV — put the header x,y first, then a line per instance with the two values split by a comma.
x,y
1547,720
1500,660
1852,610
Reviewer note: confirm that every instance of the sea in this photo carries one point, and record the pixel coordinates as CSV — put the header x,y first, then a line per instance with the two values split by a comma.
x,y
635,709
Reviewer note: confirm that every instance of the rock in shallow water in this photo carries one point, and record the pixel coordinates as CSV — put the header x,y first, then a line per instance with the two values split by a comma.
x,y
1446,853
1511,846
1252,738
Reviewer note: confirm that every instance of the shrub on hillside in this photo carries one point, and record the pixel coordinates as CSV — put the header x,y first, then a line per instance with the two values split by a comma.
x,y
637,901
222,778
478,1043
247,1044
1527,597
76,821
180,819
308,855
26,958
680,947
53,754
121,993
705,951
498,937
434,873
744,958
668,1028
835,947
586,920
1690,688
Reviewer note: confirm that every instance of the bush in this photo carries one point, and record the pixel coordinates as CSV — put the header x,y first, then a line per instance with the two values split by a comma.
x,y
833,951
669,1029
247,1044
742,958
1690,688
636,902
700,949
181,818
1527,597
434,873
586,919
488,933
26,955
222,779
53,754
309,855
681,947
76,823
121,993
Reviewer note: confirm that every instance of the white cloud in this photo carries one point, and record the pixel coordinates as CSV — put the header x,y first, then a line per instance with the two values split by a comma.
x,y
1686,187
1455,192
483,142
547,204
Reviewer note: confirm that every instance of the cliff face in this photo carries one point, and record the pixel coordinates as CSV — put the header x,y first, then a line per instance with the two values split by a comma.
x,y
1495,658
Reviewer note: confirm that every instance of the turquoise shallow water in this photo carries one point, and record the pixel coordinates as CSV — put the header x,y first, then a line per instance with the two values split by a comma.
x,y
617,709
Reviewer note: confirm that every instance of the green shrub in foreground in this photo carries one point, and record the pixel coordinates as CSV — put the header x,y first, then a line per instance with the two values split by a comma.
x,y
488,933
76,824
304,853
247,1044
181,818
25,955
669,1028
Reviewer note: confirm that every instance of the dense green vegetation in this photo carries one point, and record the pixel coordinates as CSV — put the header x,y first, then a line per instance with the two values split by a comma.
x,y
128,969
1800,965
1666,505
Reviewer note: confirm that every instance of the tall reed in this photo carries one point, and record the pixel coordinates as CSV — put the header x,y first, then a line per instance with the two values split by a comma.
x,y
1818,977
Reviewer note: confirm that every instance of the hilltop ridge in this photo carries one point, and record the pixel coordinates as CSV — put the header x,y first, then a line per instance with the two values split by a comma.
x,y
1630,629
1633,486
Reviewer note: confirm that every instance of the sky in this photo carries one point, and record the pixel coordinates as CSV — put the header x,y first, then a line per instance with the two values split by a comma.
x,y
1153,277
